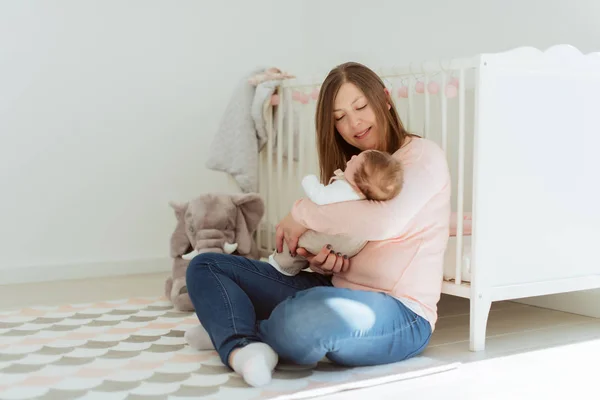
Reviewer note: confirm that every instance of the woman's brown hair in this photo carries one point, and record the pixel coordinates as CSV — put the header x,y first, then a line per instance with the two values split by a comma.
x,y
333,150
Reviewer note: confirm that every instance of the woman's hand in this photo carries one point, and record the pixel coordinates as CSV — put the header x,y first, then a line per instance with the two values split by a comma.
x,y
290,231
326,262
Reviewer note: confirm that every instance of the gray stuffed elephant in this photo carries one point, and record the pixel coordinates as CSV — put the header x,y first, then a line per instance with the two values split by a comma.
x,y
215,223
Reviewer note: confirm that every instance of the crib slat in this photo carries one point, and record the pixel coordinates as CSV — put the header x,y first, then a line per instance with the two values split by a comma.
x,y
444,101
269,154
461,167
261,191
301,145
313,151
280,133
427,109
411,106
290,147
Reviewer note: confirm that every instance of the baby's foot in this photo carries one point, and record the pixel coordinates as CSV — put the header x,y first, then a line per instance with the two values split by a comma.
x,y
198,338
255,363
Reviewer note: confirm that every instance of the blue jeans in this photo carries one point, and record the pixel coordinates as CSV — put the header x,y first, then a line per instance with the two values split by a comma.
x,y
303,317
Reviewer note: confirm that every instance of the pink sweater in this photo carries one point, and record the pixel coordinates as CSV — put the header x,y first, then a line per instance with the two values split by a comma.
x,y
407,235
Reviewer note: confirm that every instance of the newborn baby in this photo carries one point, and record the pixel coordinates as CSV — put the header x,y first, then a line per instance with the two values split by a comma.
x,y
371,175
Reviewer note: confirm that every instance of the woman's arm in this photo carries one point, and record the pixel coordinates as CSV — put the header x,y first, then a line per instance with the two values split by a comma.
x,y
372,220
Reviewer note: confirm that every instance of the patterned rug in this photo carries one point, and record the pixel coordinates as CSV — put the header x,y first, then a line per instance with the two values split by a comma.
x,y
134,349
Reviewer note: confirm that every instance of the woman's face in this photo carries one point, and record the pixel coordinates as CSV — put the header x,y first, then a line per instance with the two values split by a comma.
x,y
355,119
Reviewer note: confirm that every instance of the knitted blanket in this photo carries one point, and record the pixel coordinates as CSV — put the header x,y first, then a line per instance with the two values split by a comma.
x,y
242,133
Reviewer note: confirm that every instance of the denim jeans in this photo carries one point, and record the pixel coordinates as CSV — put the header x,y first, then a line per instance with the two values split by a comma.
x,y
303,317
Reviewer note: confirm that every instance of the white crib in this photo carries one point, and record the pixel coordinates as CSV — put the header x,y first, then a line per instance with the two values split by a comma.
x,y
521,130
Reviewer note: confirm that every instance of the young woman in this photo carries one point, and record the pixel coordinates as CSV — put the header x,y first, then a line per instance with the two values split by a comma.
x,y
380,306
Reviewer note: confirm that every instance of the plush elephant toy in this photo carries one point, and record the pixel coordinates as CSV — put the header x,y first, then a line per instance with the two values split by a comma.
x,y
215,223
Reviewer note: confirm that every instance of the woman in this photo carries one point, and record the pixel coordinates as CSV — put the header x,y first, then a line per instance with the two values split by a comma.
x,y
379,307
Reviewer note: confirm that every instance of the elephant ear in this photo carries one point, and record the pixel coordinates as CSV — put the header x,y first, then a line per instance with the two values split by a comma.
x,y
250,210
180,243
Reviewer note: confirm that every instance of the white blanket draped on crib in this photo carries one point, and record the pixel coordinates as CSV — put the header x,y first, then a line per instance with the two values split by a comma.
x,y
242,132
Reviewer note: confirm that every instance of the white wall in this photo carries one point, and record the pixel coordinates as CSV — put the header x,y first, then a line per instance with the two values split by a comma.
x,y
386,32
107,108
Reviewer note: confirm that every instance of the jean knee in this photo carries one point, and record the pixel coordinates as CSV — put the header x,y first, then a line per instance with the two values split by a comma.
x,y
298,329
300,318
198,264
321,313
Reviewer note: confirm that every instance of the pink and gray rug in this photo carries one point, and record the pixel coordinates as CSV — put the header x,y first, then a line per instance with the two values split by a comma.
x,y
134,349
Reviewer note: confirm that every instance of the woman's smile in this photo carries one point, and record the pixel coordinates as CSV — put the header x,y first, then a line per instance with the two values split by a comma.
x,y
363,134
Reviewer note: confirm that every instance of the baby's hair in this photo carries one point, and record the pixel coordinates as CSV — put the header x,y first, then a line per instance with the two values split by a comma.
x,y
380,176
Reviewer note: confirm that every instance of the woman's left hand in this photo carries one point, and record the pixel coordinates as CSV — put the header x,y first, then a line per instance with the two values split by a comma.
x,y
326,262
290,231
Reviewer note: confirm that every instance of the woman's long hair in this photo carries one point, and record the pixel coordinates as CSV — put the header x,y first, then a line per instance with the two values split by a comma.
x,y
333,150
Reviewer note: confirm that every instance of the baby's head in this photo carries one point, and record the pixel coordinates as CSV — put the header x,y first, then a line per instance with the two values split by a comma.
x,y
377,174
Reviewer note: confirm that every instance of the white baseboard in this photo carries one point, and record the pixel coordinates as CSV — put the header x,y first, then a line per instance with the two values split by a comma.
x,y
46,273
585,302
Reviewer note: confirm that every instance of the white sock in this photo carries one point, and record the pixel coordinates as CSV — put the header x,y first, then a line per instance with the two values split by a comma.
x,y
275,265
255,363
198,338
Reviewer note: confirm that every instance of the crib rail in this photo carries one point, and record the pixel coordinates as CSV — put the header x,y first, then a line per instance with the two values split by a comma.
x,y
434,100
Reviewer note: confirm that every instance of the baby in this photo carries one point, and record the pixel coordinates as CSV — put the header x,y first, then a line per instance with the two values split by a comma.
x,y
371,175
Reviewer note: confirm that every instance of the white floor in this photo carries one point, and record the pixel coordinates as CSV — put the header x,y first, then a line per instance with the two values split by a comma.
x,y
531,352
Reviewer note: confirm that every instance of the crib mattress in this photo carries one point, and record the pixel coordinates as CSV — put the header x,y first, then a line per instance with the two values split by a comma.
x,y
450,260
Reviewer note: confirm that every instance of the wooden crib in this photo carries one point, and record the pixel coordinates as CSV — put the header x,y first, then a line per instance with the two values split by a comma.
x,y
521,130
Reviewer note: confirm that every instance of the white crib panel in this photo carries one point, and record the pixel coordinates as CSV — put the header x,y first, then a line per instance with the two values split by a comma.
x,y
537,195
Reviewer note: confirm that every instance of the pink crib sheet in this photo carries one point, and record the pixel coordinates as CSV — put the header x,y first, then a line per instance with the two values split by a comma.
x,y
467,222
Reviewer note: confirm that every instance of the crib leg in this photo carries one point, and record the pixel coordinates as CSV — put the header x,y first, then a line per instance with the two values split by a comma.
x,y
480,309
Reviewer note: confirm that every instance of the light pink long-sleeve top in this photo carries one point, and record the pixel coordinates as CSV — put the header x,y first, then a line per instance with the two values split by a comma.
x,y
407,235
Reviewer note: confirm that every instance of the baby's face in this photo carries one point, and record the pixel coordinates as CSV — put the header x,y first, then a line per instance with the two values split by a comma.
x,y
352,166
